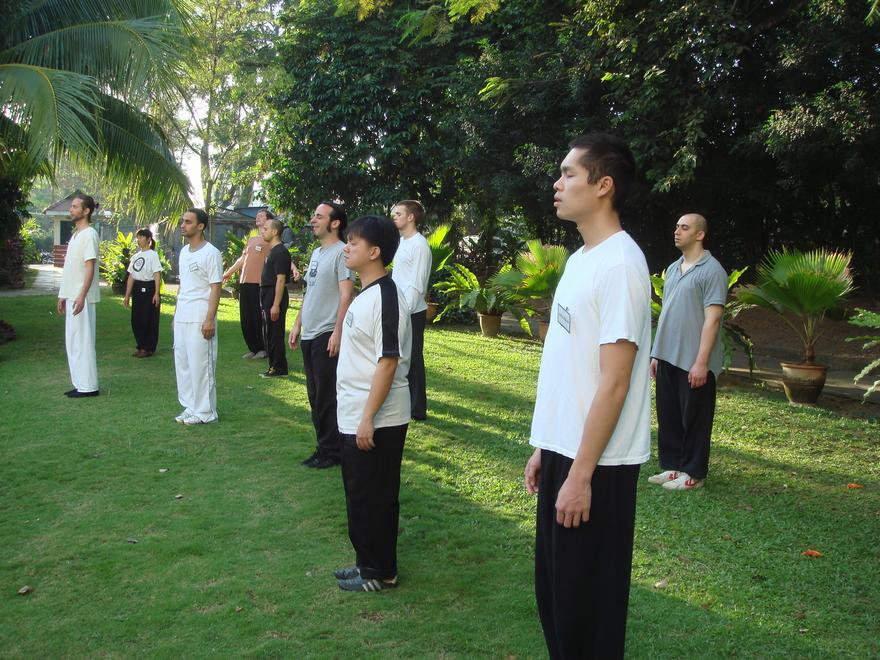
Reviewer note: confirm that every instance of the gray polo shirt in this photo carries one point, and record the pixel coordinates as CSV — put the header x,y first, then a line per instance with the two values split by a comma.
x,y
321,300
685,297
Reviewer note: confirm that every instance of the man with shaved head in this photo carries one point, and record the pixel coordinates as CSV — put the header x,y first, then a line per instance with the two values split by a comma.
x,y
686,358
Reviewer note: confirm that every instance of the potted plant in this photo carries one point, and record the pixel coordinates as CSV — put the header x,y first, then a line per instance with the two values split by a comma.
x,y
441,252
115,257
867,319
801,287
464,291
530,282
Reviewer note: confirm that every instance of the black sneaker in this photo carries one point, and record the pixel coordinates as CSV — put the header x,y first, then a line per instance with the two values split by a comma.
x,y
324,462
76,394
363,584
311,459
347,573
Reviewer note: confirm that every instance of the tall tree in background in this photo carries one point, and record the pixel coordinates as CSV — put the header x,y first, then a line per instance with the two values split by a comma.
x,y
224,118
76,81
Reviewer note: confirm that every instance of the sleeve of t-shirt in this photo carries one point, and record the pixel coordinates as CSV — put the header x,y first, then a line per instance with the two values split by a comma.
x,y
90,247
386,321
214,266
715,288
281,263
622,303
155,264
342,273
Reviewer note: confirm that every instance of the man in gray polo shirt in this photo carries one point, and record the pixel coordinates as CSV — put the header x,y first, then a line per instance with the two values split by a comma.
x,y
318,328
686,358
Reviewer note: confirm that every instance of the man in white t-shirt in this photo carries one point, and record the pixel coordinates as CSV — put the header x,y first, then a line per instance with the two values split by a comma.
x,y
373,405
412,269
195,322
591,426
77,297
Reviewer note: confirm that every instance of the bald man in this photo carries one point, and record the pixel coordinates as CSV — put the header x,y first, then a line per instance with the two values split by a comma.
x,y
686,358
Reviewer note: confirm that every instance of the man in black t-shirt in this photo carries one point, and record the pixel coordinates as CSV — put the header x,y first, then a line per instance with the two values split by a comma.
x,y
274,299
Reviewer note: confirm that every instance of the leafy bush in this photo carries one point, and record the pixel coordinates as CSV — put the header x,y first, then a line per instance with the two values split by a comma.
x,y
115,257
867,319
34,240
464,291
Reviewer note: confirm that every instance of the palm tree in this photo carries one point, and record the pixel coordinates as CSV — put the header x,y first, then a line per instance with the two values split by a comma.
x,y
76,79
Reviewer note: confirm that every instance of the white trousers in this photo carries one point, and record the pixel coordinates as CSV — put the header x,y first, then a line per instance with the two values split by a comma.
x,y
79,339
195,363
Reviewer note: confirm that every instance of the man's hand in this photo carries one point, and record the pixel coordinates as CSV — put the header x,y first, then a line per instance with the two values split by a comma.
x,y
79,305
226,277
274,312
364,435
294,272
333,344
157,299
208,328
293,339
573,501
698,375
61,306
654,368
125,301
533,472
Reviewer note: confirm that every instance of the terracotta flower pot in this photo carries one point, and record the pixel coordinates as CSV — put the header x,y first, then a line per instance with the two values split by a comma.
x,y
490,324
543,327
803,383
431,312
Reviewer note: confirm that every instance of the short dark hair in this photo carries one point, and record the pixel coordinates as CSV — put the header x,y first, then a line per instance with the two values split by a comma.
x,y
337,213
379,231
608,155
201,217
146,233
415,207
269,214
277,225
88,201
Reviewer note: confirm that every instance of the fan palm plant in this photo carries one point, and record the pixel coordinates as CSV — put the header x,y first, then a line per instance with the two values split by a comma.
x,y
531,281
801,287
75,80
465,291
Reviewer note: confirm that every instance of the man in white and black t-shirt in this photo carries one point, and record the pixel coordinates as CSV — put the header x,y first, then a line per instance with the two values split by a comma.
x,y
373,405
318,328
412,270
591,427
195,322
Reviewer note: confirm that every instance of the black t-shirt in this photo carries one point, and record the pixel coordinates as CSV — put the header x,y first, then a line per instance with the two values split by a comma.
x,y
277,263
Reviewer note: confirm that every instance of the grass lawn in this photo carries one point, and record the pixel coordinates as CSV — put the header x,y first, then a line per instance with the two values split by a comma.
x,y
235,541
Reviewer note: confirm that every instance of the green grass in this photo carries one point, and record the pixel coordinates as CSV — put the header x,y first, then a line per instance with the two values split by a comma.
x,y
240,564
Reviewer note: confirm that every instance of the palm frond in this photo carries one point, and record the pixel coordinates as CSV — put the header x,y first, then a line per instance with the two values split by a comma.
x,y
54,108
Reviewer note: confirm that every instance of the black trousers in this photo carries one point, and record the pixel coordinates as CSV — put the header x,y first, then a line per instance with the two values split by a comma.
x,y
251,317
273,331
321,388
684,421
144,316
372,488
582,575
417,395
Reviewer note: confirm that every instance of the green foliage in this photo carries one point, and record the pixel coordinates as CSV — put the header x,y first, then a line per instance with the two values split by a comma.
x,y
441,251
13,211
115,256
531,281
803,285
464,291
74,79
732,335
233,248
867,319
34,239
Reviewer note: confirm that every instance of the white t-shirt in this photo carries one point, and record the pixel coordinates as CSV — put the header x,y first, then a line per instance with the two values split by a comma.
x,y
376,325
83,246
412,269
604,296
144,265
198,271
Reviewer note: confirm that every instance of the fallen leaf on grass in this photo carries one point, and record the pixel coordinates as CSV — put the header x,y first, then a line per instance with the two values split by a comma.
x,y
25,590
854,486
131,540
238,608
178,497
163,469
811,553
661,584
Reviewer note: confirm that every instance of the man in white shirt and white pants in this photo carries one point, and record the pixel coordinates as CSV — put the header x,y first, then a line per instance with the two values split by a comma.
x,y
592,422
195,322
77,297
412,270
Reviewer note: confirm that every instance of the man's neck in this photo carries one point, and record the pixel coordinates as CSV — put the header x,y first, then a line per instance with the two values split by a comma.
x,y
276,240
196,242
409,231
693,253
371,272
329,240
82,223
597,227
